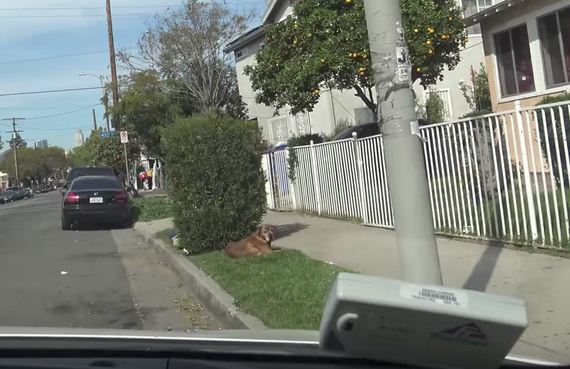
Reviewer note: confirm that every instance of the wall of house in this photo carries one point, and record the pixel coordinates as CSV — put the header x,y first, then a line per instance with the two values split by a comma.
x,y
526,13
283,8
262,112
471,57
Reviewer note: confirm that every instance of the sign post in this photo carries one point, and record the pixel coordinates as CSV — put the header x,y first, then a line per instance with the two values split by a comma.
x,y
124,141
106,134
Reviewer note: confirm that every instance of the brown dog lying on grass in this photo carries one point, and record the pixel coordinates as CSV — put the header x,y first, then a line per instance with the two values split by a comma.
x,y
257,243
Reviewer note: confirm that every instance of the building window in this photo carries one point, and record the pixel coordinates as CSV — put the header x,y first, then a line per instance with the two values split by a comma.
x,y
514,63
471,7
445,96
241,53
554,33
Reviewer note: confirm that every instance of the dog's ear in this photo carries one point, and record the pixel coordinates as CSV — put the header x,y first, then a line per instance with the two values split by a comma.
x,y
259,228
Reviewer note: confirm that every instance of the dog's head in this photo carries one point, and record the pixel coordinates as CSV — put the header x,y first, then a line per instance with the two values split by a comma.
x,y
267,232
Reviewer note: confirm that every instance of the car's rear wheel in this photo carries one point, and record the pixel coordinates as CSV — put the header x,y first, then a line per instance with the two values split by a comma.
x,y
127,223
65,224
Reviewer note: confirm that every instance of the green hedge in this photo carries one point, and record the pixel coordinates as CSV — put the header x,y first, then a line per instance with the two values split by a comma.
x,y
547,125
216,183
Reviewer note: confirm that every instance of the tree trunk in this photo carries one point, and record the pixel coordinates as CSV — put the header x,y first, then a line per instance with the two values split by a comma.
x,y
368,101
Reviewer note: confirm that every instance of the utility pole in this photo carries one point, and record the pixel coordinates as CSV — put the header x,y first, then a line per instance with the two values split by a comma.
x,y
106,97
15,145
407,177
94,120
114,83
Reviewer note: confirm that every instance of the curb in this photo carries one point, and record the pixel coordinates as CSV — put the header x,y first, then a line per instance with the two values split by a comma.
x,y
214,297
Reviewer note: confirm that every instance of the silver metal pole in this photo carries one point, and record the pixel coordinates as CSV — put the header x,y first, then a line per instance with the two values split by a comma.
x,y
407,177
126,165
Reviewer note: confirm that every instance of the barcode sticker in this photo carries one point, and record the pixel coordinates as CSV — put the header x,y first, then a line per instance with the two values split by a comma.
x,y
438,295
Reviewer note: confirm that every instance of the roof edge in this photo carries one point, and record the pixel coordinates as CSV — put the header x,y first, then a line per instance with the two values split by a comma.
x,y
490,11
268,11
244,39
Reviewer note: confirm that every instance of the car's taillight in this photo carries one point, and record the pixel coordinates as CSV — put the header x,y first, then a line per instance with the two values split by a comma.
x,y
71,198
121,197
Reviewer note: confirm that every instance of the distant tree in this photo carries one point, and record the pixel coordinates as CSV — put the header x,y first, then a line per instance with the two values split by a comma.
x,y
35,163
187,46
325,44
106,151
148,107
477,94
434,108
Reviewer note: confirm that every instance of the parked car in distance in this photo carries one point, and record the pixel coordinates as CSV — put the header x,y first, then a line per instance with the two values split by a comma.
x,y
19,195
87,171
8,196
96,199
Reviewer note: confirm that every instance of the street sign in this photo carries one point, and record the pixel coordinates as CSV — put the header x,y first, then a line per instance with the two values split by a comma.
x,y
124,137
106,134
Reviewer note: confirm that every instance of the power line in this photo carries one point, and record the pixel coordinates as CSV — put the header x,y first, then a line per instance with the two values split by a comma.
x,y
76,15
50,91
92,7
234,6
58,56
52,57
256,3
55,129
62,113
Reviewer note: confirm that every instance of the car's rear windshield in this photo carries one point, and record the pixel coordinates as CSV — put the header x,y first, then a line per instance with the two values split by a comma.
x,y
96,183
80,172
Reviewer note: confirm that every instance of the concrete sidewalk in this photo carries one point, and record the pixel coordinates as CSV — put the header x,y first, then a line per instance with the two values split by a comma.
x,y
538,279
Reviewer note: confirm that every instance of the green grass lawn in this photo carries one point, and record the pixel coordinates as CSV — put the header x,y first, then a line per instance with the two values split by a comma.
x,y
286,289
151,208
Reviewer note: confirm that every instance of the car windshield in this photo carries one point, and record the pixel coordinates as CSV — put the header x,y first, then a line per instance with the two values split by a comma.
x,y
87,183
147,144
78,172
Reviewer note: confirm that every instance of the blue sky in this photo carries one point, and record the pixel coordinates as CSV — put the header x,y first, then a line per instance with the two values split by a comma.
x,y
33,29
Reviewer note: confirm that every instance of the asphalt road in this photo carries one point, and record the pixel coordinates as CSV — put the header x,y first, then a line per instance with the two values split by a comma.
x,y
95,278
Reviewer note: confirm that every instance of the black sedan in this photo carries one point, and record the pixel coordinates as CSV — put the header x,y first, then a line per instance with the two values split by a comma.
x,y
96,199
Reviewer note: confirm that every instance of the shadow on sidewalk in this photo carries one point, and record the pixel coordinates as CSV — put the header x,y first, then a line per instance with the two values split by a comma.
x,y
285,230
483,270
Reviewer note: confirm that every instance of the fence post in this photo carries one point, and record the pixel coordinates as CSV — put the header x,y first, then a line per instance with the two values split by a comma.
x,y
316,177
526,171
360,172
265,165
290,182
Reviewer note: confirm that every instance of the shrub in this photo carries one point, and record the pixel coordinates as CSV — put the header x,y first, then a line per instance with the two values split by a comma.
x,y
434,108
292,160
151,208
475,113
550,127
216,183
478,95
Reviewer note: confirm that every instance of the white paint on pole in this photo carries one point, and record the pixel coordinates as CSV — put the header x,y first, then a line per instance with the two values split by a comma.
x,y
124,137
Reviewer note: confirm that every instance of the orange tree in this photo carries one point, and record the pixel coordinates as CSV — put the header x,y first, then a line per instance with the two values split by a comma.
x,y
325,43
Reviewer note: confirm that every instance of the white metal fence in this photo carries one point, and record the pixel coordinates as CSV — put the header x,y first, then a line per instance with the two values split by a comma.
x,y
502,176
